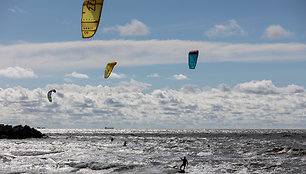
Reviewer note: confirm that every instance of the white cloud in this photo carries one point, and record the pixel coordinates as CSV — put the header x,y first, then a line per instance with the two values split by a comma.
x,y
17,10
153,75
65,56
77,75
17,72
257,87
266,87
247,105
292,89
230,29
135,28
190,89
117,76
68,80
179,77
276,32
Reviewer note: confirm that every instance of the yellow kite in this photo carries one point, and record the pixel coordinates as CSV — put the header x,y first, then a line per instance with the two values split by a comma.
x,y
109,68
91,14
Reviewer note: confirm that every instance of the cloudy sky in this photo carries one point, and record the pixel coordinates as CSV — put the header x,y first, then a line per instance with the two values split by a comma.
x,y
251,71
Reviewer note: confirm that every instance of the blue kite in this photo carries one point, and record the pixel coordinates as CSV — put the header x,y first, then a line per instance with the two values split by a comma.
x,y
193,58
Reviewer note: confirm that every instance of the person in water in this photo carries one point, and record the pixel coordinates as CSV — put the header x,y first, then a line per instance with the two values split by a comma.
x,y
185,163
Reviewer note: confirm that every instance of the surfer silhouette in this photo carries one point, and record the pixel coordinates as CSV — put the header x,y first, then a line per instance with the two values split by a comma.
x,y
185,163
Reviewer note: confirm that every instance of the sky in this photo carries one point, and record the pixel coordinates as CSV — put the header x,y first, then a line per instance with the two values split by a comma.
x,y
251,71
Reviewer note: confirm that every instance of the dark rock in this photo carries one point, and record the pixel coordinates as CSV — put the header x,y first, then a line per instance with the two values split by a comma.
x,y
19,132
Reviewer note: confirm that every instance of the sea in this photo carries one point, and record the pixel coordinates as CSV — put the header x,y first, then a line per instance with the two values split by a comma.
x,y
102,151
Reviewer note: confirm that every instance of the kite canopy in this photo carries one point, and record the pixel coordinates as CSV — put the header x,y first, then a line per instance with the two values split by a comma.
x,y
193,58
91,14
109,68
49,94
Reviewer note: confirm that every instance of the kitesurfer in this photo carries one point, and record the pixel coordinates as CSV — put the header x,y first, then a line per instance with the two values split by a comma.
x,y
124,144
185,163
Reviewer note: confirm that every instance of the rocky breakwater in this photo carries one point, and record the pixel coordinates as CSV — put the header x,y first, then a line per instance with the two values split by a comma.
x,y
19,132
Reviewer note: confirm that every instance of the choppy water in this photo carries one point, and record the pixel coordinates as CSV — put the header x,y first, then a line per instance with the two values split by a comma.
x,y
157,151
